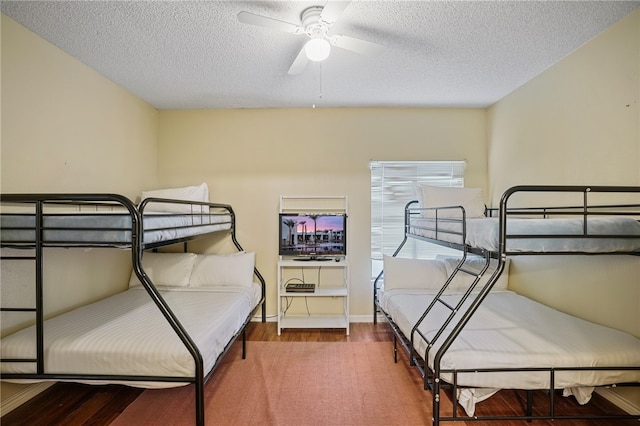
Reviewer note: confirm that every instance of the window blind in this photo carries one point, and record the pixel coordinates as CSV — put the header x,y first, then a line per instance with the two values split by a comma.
x,y
393,185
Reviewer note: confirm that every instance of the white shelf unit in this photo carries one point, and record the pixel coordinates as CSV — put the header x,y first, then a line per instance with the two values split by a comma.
x,y
331,290
334,288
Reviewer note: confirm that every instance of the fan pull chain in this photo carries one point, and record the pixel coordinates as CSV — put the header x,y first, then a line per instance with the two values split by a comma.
x,y
320,94
319,84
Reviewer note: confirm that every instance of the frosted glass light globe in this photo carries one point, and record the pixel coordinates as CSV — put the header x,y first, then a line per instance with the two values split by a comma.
x,y
317,49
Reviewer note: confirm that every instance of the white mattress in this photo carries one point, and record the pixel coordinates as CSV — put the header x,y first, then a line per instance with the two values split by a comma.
x,y
485,232
113,228
127,334
512,331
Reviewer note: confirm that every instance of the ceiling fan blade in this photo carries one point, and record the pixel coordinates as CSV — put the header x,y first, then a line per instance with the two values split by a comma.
x,y
263,21
356,45
299,63
332,11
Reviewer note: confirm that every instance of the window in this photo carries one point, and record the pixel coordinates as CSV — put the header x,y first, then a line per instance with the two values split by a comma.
x,y
393,185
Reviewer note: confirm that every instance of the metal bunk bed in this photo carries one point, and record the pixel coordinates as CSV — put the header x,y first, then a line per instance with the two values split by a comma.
x,y
424,224
34,222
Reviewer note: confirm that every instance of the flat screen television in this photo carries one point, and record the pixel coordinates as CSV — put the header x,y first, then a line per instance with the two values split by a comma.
x,y
312,236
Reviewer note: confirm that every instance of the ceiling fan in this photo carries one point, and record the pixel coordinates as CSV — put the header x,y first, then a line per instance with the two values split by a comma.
x,y
315,23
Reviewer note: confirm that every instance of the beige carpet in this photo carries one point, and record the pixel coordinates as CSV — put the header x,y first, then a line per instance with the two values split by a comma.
x,y
296,383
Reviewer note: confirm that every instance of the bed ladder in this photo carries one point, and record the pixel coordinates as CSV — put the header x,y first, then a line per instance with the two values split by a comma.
x,y
36,310
455,321
35,255
453,310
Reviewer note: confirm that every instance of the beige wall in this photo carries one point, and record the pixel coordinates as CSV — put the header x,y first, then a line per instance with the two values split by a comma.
x,y
251,157
576,123
66,128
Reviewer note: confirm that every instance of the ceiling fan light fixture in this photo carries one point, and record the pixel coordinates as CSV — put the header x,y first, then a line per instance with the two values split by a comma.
x,y
317,49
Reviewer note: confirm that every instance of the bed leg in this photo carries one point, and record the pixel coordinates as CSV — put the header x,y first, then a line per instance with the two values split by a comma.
x,y
244,343
435,420
199,402
395,349
529,404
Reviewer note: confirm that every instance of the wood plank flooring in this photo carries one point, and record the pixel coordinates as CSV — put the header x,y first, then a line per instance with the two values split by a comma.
x,y
77,404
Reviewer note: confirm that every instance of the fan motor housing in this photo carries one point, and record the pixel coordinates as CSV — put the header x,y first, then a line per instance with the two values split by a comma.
x,y
313,26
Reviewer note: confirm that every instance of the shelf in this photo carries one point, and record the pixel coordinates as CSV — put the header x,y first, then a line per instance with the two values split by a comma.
x,y
314,321
288,263
314,203
320,292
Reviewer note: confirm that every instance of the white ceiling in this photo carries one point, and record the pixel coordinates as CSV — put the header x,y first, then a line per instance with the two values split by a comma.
x,y
195,54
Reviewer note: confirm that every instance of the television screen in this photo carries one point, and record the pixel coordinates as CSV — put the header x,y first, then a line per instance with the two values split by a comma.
x,y
313,235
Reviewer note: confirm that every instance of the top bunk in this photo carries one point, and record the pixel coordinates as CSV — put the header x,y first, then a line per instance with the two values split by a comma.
x,y
163,217
530,220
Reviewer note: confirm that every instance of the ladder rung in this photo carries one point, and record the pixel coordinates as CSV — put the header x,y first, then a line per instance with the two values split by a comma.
x,y
445,304
18,309
17,258
470,271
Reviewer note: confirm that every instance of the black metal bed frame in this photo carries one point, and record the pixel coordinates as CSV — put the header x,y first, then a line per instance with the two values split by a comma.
x,y
203,212
431,375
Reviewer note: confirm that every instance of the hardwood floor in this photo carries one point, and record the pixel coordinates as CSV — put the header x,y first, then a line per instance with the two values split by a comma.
x,y
77,404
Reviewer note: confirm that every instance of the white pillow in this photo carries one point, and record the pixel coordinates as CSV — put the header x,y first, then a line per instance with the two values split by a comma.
x,y
462,280
413,273
187,193
469,198
220,270
166,269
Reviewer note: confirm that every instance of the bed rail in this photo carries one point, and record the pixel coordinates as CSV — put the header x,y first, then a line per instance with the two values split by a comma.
x,y
589,210
585,222
37,221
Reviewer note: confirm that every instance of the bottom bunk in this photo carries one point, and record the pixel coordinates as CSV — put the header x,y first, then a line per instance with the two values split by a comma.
x,y
511,342
125,339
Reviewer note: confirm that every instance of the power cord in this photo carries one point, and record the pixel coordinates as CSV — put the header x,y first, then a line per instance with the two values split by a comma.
x,y
289,300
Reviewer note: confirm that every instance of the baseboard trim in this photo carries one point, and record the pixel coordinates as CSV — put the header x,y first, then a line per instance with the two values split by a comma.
x,y
361,318
22,396
618,400
352,318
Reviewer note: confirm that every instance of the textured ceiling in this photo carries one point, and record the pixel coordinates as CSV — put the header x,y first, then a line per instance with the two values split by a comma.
x,y
196,54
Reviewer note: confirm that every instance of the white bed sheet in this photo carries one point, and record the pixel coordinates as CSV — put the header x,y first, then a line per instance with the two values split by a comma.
x,y
485,232
512,331
110,227
127,334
